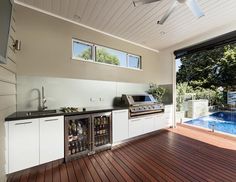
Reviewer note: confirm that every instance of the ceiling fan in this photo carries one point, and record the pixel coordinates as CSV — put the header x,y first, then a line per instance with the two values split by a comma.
x,y
192,4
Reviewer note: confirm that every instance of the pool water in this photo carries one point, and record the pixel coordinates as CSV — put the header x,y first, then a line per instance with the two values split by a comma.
x,y
221,121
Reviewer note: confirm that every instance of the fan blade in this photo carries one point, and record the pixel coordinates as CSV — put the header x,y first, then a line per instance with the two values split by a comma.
x,y
195,8
142,2
167,14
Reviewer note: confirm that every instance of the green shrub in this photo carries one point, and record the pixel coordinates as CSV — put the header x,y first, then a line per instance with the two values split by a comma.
x,y
156,91
181,90
213,95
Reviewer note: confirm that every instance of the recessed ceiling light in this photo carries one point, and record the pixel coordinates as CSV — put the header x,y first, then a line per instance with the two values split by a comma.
x,y
77,17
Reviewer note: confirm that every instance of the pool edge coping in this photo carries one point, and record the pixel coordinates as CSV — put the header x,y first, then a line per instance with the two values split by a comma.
x,y
218,133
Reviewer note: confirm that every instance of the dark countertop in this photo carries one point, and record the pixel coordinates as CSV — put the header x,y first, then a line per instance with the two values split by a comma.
x,y
89,110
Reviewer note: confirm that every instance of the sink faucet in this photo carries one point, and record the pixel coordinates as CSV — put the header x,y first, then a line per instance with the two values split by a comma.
x,y
44,100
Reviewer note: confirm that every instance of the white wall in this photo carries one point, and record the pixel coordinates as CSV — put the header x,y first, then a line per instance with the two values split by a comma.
x,y
47,51
45,59
61,92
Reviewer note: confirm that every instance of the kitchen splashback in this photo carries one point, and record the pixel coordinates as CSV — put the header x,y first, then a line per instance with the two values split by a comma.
x,y
63,92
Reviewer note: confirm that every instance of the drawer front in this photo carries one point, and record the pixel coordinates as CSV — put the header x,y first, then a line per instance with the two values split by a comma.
x,y
148,124
135,127
169,109
159,122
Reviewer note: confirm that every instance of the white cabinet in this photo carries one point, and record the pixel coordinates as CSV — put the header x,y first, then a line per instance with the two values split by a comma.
x,y
168,115
148,124
23,143
51,139
120,125
135,127
164,120
34,141
141,125
159,122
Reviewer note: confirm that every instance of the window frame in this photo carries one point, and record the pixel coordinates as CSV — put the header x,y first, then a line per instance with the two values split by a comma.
x,y
136,56
85,43
94,54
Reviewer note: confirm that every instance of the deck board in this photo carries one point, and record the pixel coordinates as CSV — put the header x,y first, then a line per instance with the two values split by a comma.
x,y
56,172
181,154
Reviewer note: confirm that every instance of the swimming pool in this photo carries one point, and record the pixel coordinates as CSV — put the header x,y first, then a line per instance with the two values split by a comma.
x,y
220,121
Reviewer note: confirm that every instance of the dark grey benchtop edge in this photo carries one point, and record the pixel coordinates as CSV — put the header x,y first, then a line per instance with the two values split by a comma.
x,y
22,115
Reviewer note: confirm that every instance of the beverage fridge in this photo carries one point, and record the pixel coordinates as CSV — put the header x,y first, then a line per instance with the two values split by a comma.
x,y
87,134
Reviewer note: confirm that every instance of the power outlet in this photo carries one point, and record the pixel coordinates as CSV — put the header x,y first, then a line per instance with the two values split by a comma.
x,y
93,99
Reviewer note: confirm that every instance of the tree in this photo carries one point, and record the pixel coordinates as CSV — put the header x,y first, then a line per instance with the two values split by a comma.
x,y
225,70
102,56
208,69
86,54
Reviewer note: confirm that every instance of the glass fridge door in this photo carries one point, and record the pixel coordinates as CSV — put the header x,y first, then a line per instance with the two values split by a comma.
x,y
101,124
77,136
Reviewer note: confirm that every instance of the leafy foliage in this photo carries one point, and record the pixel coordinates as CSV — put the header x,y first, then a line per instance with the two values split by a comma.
x,y
86,54
102,56
214,96
210,69
181,90
156,91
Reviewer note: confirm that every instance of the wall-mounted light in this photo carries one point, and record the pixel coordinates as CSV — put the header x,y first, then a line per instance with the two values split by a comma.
x,y
17,45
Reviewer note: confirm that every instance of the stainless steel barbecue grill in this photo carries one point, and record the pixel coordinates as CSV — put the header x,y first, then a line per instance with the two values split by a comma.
x,y
141,104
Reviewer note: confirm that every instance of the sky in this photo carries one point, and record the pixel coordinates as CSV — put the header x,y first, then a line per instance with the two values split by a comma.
x,y
178,64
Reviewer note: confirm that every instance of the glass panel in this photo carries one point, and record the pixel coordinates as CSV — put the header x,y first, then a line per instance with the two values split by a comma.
x,y
81,50
78,132
101,130
134,61
141,98
110,56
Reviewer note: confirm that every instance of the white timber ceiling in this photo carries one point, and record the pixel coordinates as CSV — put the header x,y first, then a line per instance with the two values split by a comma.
x,y
139,25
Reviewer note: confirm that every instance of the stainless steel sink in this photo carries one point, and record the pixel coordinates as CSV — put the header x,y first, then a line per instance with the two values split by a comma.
x,y
33,113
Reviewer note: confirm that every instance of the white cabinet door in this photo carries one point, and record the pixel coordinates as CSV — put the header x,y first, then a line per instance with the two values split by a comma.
x,y
135,127
51,139
168,115
148,124
23,144
168,119
159,122
120,125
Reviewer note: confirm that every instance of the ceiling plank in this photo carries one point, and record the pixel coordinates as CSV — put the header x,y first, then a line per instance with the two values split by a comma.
x,y
120,18
73,6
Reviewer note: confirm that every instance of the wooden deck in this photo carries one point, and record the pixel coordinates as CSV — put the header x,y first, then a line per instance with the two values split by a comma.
x,y
213,138
170,155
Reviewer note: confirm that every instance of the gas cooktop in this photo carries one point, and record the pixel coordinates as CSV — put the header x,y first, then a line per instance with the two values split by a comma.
x,y
70,109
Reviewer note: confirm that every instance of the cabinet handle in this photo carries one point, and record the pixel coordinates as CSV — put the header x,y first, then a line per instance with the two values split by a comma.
x,y
47,120
23,123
